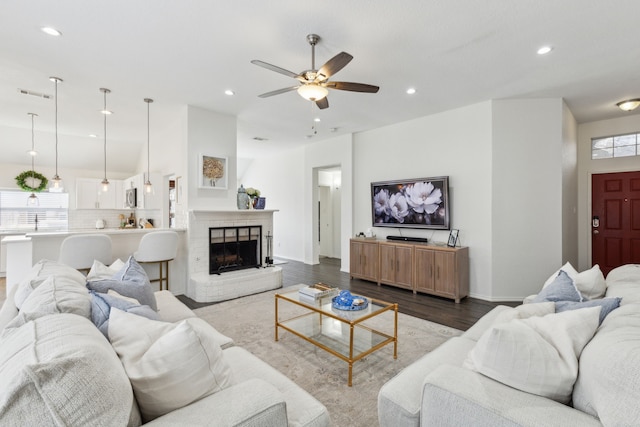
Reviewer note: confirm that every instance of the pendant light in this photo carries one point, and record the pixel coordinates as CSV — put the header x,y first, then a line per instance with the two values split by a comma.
x,y
148,187
33,199
105,181
56,185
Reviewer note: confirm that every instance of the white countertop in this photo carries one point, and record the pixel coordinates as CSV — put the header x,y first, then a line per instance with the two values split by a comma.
x,y
110,231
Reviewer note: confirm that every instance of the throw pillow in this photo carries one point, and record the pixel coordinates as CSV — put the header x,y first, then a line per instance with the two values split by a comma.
x,y
561,289
39,273
591,283
58,370
99,271
170,365
131,281
525,311
57,294
101,308
607,305
538,355
567,268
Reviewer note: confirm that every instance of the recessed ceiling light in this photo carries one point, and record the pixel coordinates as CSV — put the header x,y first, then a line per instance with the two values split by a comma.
x,y
411,91
107,112
317,119
93,135
544,50
51,31
229,92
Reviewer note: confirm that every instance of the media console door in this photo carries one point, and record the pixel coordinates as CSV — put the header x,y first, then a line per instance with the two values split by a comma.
x,y
396,265
364,259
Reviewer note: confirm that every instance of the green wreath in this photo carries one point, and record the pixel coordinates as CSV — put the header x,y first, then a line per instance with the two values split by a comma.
x,y
21,181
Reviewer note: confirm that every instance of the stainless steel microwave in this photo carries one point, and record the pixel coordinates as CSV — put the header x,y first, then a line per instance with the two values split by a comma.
x,y
131,197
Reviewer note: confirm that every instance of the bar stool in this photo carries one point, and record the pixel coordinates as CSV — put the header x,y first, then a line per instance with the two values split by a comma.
x,y
158,247
81,250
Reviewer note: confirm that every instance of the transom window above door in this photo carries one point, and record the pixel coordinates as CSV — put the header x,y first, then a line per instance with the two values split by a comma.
x,y
615,146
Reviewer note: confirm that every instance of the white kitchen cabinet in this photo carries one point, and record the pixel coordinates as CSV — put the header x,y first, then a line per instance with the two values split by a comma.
x,y
89,194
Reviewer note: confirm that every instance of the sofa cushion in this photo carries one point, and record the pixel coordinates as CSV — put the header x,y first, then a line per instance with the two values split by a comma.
x,y
59,370
608,385
169,365
131,281
39,273
607,305
57,294
561,289
538,355
101,308
591,283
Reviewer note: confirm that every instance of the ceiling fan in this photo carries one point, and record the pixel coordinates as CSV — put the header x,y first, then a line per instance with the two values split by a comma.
x,y
313,83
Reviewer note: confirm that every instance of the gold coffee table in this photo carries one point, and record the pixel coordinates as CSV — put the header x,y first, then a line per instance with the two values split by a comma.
x,y
342,333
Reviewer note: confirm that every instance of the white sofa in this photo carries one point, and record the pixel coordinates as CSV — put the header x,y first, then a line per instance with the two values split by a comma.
x,y
57,368
440,390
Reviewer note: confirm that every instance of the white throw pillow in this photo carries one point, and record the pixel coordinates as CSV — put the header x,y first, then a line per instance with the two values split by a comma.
x,y
567,268
591,283
99,271
39,273
525,311
57,294
170,365
538,355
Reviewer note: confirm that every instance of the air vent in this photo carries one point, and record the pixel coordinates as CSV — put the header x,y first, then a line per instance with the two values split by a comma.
x,y
32,93
259,138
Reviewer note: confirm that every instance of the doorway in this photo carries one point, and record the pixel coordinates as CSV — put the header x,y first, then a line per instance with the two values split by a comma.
x,y
329,212
615,219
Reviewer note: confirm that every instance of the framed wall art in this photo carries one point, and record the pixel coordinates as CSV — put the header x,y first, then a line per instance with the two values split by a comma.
x,y
212,172
453,238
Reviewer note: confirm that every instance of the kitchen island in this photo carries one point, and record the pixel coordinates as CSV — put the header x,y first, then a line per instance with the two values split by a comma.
x,y
25,250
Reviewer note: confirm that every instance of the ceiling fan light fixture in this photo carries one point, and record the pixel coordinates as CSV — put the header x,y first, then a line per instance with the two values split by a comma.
x,y
313,92
629,104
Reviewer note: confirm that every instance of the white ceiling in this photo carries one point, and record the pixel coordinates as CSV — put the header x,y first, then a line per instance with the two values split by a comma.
x,y
454,52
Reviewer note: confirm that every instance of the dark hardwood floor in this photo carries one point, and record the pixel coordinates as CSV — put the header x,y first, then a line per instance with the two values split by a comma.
x,y
435,309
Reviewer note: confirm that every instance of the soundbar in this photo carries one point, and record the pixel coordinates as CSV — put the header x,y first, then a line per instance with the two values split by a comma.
x,y
408,239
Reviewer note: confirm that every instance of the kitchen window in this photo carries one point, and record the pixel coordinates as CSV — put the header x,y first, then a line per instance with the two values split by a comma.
x,y
50,214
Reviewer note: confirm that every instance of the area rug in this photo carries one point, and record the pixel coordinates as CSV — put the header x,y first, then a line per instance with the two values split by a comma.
x,y
250,322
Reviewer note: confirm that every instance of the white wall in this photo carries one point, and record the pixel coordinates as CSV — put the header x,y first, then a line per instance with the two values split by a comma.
x,y
569,187
211,134
527,199
587,167
279,179
455,143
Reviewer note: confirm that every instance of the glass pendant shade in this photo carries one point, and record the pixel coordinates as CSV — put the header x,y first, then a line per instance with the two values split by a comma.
x,y
313,92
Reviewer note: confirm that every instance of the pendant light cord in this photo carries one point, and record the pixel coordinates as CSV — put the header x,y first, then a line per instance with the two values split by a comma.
x,y
33,142
105,134
56,121
148,149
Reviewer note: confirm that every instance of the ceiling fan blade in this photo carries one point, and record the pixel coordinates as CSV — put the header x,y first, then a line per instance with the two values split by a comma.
x,y
353,87
323,103
335,64
278,92
274,68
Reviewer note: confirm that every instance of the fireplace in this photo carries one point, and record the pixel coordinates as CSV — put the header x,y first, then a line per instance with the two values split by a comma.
x,y
234,248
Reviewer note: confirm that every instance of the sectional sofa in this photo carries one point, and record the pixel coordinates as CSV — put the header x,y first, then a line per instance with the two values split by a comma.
x,y
569,357
75,356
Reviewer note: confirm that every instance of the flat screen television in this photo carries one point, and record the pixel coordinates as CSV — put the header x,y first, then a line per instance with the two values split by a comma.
x,y
411,203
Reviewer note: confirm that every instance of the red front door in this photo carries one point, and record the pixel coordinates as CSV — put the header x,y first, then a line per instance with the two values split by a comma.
x,y
615,219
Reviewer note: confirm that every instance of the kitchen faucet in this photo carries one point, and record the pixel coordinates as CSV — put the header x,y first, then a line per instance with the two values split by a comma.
x,y
36,222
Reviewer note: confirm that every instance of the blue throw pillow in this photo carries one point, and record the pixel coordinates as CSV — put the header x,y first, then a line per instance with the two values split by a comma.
x,y
101,308
561,289
607,305
131,281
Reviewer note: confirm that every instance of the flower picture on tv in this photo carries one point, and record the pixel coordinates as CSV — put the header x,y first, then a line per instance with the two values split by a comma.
x,y
412,203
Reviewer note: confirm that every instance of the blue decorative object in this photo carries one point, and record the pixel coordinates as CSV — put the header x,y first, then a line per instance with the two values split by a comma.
x,y
345,301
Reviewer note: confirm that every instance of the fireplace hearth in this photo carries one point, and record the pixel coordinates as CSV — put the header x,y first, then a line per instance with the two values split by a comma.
x,y
234,248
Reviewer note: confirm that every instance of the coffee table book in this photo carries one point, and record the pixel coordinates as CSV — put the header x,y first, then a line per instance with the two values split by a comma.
x,y
317,291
